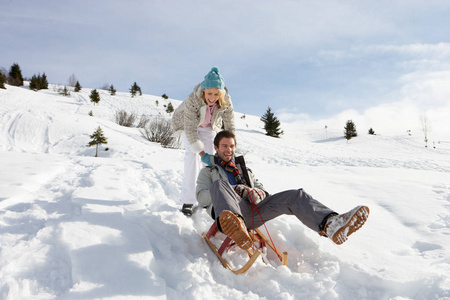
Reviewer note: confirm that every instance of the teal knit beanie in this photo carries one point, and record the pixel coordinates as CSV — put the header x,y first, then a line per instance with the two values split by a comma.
x,y
213,80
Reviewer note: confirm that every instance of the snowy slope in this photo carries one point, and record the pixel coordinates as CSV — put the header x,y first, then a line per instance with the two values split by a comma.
x,y
77,227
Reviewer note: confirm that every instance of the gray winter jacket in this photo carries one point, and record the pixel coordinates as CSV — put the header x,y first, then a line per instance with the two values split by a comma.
x,y
210,174
191,113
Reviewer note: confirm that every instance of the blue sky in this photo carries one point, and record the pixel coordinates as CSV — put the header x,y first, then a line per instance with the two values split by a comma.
x,y
309,58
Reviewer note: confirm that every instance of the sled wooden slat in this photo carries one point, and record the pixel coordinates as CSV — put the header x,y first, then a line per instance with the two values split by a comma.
x,y
224,262
228,243
283,256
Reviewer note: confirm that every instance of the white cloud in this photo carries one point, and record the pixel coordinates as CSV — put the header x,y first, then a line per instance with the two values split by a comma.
x,y
418,53
419,94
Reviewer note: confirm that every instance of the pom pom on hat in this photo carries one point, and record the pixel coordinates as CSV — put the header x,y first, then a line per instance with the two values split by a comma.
x,y
213,80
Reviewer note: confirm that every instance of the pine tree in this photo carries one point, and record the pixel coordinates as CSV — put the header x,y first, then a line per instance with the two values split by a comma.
x,y
169,108
97,139
77,87
164,96
34,83
350,130
44,82
271,124
134,89
38,82
2,81
371,131
112,90
15,75
95,96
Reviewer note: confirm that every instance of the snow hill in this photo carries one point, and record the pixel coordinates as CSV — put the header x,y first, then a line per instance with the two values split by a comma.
x,y
73,226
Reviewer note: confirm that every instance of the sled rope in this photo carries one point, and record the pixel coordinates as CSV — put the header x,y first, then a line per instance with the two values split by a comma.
x,y
251,196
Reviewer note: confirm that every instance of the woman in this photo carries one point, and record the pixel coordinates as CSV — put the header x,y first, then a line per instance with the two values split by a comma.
x,y
198,119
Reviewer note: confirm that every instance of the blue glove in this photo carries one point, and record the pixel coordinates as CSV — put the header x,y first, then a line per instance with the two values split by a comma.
x,y
206,158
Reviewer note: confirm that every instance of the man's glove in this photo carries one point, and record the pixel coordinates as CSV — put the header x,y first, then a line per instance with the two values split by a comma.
x,y
206,158
241,190
254,195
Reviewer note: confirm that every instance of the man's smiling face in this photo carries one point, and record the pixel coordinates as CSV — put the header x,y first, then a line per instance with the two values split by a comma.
x,y
226,149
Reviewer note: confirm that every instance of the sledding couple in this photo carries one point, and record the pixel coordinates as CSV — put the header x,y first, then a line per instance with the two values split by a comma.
x,y
227,188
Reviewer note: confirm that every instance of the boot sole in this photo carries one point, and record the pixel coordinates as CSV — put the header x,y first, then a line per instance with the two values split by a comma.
x,y
355,222
231,226
188,211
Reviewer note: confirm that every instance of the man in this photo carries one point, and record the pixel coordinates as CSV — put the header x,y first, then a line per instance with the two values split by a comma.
x,y
228,190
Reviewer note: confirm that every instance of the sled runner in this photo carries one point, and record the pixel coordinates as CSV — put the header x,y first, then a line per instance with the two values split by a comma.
x,y
259,239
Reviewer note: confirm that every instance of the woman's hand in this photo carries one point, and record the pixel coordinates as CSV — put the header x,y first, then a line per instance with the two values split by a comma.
x,y
206,158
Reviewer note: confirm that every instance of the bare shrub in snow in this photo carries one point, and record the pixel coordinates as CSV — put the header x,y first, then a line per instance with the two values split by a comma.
x,y
143,121
72,81
425,128
159,130
124,118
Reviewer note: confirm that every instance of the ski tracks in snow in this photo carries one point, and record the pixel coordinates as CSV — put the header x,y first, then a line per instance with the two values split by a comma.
x,y
77,225
29,230
19,126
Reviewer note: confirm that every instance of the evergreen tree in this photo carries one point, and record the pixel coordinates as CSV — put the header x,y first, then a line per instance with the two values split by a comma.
x,y
2,81
271,124
15,75
169,108
350,130
112,90
371,131
77,87
164,96
134,89
34,83
97,139
39,82
95,96
44,82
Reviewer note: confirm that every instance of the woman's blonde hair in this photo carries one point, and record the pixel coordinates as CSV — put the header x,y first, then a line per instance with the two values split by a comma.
x,y
222,102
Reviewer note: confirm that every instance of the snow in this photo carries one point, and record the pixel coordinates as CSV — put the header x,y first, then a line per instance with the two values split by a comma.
x,y
75,226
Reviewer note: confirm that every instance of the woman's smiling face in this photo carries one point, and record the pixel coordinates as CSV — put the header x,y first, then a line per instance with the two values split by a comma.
x,y
211,96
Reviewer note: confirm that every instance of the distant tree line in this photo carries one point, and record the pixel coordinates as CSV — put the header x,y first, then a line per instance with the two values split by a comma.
x,y
39,82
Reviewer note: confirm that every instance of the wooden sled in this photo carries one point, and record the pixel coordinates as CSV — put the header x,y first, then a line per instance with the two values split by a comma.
x,y
260,242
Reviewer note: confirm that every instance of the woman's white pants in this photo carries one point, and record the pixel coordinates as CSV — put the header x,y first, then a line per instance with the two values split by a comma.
x,y
193,163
